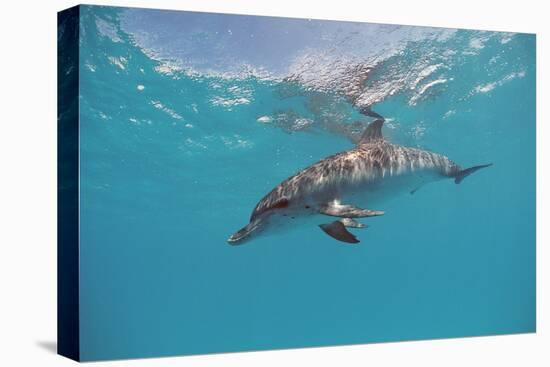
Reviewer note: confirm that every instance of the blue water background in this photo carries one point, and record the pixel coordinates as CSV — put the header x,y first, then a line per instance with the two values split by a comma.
x,y
173,162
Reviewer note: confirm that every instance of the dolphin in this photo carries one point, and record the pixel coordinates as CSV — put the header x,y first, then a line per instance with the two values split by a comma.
x,y
342,185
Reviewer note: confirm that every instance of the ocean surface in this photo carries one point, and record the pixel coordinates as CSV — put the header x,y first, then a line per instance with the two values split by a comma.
x,y
188,119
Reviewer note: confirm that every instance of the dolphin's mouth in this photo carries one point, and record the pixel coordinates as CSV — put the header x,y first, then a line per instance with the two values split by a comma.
x,y
238,237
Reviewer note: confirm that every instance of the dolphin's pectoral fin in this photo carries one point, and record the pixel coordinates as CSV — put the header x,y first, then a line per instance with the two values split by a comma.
x,y
352,223
347,211
338,231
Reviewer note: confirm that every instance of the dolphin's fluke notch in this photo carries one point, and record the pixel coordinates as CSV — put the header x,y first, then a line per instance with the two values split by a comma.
x,y
338,231
461,175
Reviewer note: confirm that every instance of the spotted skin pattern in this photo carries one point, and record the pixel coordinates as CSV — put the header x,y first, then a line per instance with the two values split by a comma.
x,y
363,165
375,167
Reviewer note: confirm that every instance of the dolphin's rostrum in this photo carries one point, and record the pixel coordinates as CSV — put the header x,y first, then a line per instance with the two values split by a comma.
x,y
340,185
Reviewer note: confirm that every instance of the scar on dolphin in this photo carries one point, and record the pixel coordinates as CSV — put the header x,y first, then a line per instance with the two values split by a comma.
x,y
343,184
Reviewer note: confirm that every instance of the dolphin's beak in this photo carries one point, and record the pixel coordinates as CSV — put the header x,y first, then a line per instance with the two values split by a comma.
x,y
239,237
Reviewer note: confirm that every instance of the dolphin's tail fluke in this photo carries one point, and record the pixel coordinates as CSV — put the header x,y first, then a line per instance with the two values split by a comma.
x,y
462,174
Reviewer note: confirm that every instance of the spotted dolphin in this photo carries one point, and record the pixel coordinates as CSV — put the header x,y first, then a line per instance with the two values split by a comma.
x,y
343,184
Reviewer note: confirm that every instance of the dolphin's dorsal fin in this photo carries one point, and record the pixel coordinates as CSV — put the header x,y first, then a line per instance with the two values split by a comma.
x,y
372,133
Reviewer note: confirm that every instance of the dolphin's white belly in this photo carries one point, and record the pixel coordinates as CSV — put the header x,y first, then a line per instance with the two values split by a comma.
x,y
373,194
368,196
289,221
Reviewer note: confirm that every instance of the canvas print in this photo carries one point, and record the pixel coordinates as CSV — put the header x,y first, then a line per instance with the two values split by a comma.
x,y
236,183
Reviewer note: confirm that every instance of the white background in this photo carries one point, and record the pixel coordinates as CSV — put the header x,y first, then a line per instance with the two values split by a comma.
x,y
28,183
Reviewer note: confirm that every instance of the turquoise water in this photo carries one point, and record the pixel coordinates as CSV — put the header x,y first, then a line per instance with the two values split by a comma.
x,y
188,119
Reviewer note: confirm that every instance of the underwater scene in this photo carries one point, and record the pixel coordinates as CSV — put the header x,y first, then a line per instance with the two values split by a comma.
x,y
252,183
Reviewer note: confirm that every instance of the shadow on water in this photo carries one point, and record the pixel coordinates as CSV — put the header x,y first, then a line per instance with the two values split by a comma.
x,y
50,346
